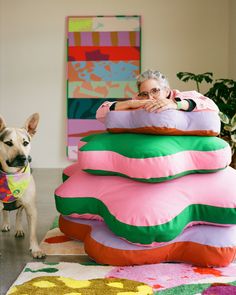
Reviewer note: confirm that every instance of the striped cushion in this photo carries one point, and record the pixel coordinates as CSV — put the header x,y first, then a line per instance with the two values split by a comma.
x,y
147,213
198,245
167,122
152,158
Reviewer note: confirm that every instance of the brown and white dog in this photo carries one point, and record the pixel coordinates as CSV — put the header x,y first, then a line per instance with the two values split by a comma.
x,y
17,187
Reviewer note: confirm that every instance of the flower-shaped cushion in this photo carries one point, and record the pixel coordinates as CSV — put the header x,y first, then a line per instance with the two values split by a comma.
x,y
199,245
170,122
152,158
146,213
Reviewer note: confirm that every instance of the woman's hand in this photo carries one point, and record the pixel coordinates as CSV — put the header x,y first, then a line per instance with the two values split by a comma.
x,y
159,105
131,104
151,105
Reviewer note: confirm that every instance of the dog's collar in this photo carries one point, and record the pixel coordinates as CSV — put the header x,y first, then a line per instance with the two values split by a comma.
x,y
11,206
13,186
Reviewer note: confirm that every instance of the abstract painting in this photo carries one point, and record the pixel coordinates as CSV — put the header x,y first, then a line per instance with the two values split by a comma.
x,y
103,60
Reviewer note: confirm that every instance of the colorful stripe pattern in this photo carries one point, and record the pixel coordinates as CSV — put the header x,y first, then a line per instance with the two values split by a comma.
x,y
106,248
103,70
146,214
83,108
130,38
103,60
103,53
101,89
82,127
152,158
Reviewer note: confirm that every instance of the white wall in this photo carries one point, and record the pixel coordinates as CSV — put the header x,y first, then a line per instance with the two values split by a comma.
x,y
177,35
232,39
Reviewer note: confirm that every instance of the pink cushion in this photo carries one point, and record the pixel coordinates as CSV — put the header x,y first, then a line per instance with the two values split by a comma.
x,y
152,158
146,213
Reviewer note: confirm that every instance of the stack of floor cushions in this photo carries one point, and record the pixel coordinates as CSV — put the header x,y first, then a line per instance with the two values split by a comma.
x,y
138,198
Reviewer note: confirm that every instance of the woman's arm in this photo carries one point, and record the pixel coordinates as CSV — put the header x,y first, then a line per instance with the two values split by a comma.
x,y
103,110
119,106
202,102
163,104
130,104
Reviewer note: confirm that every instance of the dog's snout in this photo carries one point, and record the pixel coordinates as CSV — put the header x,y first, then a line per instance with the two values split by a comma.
x,y
21,158
18,161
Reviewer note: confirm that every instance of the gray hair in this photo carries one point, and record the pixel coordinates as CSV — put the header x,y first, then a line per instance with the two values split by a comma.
x,y
150,74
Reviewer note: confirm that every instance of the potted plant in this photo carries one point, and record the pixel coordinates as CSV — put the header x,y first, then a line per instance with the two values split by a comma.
x,y
197,78
223,93
229,134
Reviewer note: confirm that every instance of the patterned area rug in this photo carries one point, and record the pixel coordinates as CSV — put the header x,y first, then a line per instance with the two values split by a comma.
x,y
164,278
56,243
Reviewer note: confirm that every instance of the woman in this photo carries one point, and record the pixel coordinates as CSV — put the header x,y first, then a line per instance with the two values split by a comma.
x,y
155,95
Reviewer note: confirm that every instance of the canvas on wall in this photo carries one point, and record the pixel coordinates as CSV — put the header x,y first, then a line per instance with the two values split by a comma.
x,y
103,60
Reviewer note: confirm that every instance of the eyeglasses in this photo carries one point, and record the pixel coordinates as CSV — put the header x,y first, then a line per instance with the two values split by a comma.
x,y
154,92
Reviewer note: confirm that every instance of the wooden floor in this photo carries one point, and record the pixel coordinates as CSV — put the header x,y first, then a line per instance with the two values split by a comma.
x,y
14,252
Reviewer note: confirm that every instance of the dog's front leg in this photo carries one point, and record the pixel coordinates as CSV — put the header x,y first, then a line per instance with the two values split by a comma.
x,y
31,213
19,229
6,220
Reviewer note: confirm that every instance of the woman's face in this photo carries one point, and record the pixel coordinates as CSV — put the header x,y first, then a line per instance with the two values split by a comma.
x,y
151,89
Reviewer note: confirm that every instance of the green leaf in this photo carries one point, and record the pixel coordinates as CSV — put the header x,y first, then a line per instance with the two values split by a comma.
x,y
233,137
224,118
208,74
208,79
228,128
199,78
233,120
185,76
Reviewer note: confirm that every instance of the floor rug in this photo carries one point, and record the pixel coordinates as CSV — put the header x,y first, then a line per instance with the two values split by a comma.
x,y
56,243
163,278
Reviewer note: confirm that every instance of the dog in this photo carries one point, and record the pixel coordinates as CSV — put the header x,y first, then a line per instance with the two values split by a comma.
x,y
17,187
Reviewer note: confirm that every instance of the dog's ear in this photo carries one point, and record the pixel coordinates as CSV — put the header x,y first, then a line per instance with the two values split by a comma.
x,y
2,124
32,123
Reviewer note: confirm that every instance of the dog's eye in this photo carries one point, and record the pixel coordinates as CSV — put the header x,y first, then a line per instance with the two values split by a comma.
x,y
25,143
9,143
